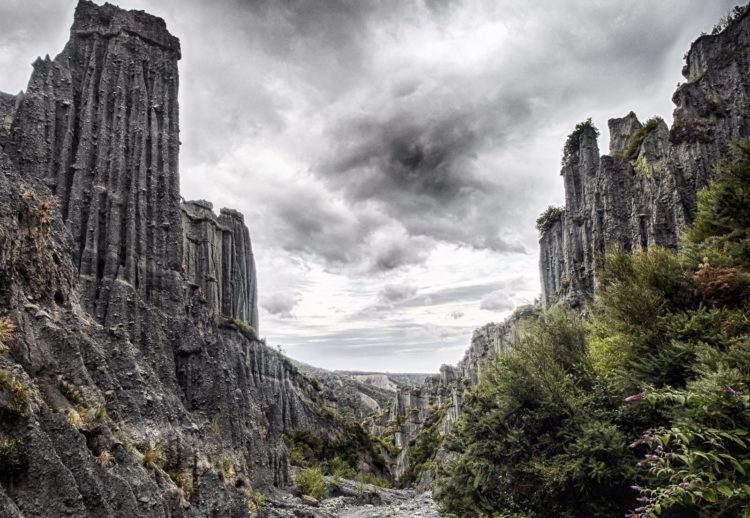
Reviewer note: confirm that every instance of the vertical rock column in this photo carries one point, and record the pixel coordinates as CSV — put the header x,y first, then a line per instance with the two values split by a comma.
x,y
100,124
240,291
218,259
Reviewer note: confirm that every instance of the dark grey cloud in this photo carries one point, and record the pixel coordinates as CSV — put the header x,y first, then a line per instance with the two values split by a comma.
x,y
396,293
499,300
280,305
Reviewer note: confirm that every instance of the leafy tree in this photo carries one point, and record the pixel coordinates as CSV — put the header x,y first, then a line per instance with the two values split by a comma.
x,y
548,218
573,142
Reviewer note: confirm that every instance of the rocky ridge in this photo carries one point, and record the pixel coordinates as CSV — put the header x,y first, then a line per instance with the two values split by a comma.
x,y
132,380
644,190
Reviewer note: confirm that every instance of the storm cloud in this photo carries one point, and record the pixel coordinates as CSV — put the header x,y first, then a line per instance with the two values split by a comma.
x,y
391,157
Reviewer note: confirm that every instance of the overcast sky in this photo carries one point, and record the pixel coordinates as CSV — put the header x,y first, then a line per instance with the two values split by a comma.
x,y
391,156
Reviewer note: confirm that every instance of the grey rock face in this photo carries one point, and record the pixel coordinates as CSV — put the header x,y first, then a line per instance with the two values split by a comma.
x,y
100,125
442,394
8,107
627,202
349,394
131,385
218,260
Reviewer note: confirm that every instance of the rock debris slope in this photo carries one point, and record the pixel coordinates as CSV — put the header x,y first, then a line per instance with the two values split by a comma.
x,y
132,380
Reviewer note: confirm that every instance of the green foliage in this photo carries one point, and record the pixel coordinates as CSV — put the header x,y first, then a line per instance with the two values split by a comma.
x,y
663,364
244,327
7,331
532,438
305,447
100,413
637,138
215,426
423,447
548,218
573,142
310,482
70,392
721,230
702,458
17,392
14,456
372,479
153,457
255,500
388,441
183,480
338,455
226,468
642,166
339,468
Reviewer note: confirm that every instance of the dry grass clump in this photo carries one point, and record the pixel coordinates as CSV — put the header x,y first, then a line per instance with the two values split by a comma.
x,y
74,418
105,459
153,457
19,394
7,331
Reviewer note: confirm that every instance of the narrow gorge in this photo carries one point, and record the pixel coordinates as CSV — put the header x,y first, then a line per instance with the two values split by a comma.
x,y
133,379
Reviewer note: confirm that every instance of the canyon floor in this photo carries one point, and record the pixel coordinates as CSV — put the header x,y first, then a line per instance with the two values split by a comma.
x,y
354,500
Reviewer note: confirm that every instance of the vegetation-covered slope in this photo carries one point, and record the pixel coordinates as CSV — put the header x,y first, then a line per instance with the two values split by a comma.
x,y
643,409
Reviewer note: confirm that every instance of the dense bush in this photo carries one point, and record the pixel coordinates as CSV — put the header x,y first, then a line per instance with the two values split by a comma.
x,y
423,447
637,138
645,407
338,455
14,457
573,142
535,437
548,218
310,482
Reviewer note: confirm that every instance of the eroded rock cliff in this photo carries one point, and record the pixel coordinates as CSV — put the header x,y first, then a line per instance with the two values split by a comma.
x,y
421,416
132,380
218,260
639,194
644,190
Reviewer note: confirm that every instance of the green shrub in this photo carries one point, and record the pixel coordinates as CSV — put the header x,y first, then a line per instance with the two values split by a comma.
x,y
14,456
226,469
70,392
663,364
372,479
336,454
721,230
548,218
423,447
637,138
255,500
244,327
337,467
310,482
573,142
153,457
305,447
17,392
532,439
